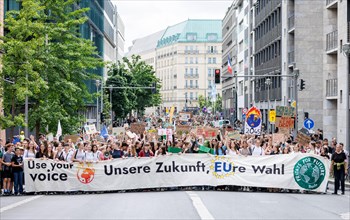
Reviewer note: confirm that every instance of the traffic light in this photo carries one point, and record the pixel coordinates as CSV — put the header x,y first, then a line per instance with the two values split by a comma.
x,y
217,76
154,89
302,84
102,117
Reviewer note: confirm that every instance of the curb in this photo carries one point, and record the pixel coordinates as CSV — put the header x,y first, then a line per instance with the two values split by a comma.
x,y
347,183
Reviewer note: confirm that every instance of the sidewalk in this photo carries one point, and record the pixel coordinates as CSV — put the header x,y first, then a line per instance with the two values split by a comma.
x,y
347,183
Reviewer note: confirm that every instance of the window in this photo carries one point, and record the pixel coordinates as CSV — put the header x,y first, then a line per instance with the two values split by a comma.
x,y
209,72
186,60
191,59
209,84
191,36
186,71
240,46
186,83
191,71
209,59
196,59
196,97
212,37
191,95
185,95
196,71
191,83
196,83
214,59
191,48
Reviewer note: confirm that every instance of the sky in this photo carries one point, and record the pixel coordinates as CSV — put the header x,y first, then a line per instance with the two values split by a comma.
x,y
142,18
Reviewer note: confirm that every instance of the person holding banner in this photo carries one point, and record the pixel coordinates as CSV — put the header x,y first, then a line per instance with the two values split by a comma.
x,y
116,152
67,153
7,169
146,152
79,154
17,169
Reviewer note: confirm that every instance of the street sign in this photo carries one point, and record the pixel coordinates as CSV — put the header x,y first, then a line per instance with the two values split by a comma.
x,y
309,124
272,116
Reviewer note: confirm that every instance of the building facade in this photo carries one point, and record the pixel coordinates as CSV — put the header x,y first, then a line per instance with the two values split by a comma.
x,y
186,58
336,35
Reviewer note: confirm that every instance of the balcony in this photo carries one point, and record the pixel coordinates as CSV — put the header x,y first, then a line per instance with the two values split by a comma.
x,y
291,58
332,42
332,88
191,51
291,27
332,3
212,51
191,75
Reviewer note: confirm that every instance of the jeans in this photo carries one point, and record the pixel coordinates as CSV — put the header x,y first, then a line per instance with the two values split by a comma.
x,y
18,181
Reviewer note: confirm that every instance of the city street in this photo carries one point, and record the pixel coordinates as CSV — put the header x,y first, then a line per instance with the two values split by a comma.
x,y
178,205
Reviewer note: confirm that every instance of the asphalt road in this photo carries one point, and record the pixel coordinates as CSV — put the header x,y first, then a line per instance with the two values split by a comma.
x,y
178,205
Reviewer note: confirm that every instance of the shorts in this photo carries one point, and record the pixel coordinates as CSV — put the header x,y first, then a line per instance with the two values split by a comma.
x,y
7,174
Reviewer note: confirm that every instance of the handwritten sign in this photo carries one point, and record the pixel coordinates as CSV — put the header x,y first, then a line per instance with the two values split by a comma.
x,y
303,139
73,138
207,132
285,111
138,128
285,122
183,129
234,135
278,138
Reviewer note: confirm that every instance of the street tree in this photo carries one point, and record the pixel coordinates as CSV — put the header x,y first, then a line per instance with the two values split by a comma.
x,y
49,62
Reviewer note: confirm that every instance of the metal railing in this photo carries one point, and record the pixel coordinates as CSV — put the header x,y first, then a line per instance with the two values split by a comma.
x,y
331,87
332,40
291,22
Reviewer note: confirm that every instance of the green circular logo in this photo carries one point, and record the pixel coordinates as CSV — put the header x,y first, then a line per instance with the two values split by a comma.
x,y
309,173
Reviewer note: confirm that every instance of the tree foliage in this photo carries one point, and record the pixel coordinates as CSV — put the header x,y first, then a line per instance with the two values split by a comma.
x,y
49,62
132,73
203,102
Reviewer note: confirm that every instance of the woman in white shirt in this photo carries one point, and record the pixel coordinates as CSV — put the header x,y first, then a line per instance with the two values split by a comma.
x,y
79,154
30,152
232,149
89,155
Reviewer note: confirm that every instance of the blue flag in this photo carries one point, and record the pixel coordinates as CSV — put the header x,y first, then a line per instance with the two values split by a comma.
x,y
104,132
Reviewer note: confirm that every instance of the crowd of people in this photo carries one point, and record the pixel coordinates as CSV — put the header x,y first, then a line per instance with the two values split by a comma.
x,y
13,153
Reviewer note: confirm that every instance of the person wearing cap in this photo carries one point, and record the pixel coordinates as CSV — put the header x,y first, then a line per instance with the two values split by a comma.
x,y
17,169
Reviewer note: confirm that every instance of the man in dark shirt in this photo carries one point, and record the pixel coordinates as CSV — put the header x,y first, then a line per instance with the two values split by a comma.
x,y
7,169
340,168
17,169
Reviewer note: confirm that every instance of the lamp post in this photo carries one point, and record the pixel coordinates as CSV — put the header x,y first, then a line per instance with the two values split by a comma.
x,y
268,83
346,52
98,83
110,100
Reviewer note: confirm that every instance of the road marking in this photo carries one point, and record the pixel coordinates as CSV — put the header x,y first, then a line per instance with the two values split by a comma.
x,y
202,211
14,205
345,215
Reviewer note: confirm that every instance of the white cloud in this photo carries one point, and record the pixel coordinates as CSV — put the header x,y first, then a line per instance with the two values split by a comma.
x,y
142,18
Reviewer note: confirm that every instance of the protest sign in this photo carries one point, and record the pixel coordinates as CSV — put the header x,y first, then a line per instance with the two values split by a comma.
x,y
138,128
118,130
287,171
278,138
73,138
207,132
253,121
184,116
90,129
285,117
183,129
303,139
234,135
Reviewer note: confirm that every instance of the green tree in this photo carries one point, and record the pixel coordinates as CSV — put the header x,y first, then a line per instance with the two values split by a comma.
x,y
49,62
132,73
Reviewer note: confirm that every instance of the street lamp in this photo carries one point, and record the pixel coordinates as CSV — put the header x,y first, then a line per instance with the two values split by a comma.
x,y
110,98
346,52
98,83
268,83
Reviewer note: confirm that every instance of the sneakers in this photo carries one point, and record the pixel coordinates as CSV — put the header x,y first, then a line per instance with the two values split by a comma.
x,y
343,193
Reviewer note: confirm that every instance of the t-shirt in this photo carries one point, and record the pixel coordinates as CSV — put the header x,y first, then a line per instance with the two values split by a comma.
x,y
67,156
17,160
79,155
6,158
117,153
257,151
338,158
28,154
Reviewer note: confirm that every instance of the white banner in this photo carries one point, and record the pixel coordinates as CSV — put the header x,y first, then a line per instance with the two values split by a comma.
x,y
291,171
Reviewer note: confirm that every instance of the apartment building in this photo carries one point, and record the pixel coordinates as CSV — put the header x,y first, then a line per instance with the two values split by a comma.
x,y
336,38
186,58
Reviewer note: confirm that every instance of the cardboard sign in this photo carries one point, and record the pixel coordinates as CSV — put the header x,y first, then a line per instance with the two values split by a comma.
x,y
207,132
278,138
303,139
74,138
183,129
184,116
234,135
118,130
285,122
138,128
285,111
